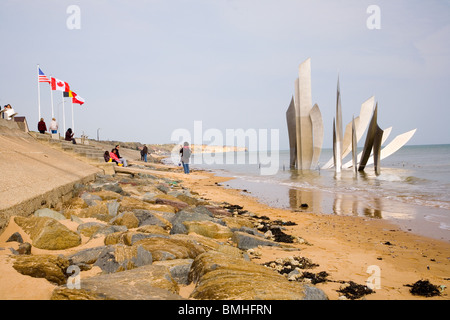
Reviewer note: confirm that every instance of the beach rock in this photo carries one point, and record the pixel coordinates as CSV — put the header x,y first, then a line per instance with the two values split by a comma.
x,y
235,223
247,241
221,277
130,237
191,214
130,204
149,217
90,199
90,228
208,229
75,203
218,211
163,187
53,268
153,229
86,256
119,257
15,237
149,282
189,200
107,186
113,207
178,268
149,196
47,233
205,242
93,211
108,230
45,212
179,205
127,219
76,219
107,195
251,231
24,248
169,249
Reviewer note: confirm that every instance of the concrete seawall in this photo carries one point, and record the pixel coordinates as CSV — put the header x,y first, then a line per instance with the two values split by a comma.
x,y
34,175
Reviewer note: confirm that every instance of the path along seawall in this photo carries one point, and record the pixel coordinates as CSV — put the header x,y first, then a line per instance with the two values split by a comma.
x,y
34,175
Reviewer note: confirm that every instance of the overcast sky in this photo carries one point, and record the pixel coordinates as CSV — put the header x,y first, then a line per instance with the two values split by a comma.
x,y
147,68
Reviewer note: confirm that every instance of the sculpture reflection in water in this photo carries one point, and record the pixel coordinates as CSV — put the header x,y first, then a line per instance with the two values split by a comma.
x,y
308,201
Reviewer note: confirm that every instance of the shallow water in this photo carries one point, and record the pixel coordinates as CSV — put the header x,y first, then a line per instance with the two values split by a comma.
x,y
412,189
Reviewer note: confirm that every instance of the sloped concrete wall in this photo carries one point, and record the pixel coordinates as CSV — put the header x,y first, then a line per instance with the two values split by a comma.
x,y
33,175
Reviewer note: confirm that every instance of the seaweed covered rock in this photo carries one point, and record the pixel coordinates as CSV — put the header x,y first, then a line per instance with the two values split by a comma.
x,y
48,233
168,249
223,277
150,282
52,268
116,258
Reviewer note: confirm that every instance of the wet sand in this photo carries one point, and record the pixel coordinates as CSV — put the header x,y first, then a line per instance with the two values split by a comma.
x,y
426,221
345,246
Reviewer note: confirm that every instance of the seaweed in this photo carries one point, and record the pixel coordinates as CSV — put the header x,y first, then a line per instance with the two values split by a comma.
x,y
355,291
289,264
315,277
424,288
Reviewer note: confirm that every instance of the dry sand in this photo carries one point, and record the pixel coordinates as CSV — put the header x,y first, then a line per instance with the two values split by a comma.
x,y
343,246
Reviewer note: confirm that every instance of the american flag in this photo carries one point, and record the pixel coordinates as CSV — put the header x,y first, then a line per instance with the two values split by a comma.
x,y
43,77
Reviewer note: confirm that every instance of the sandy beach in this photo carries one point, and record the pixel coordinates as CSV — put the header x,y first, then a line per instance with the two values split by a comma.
x,y
343,246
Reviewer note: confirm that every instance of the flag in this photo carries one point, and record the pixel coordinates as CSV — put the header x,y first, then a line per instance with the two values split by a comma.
x,y
77,99
43,77
60,85
69,94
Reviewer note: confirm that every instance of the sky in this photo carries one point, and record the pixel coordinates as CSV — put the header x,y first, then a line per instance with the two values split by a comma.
x,y
149,68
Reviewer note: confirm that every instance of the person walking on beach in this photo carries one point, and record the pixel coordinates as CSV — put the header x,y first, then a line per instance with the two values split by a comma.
x,y
122,159
42,127
53,128
144,153
185,155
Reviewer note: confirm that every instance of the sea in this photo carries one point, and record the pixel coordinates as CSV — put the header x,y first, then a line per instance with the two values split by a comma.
x,y
412,190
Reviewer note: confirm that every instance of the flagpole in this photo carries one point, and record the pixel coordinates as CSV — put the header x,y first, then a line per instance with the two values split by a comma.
x,y
73,123
64,114
39,94
51,96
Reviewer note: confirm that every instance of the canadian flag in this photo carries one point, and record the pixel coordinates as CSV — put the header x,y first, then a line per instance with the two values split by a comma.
x,y
60,85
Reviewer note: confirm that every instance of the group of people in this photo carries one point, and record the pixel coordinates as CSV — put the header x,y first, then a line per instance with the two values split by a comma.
x,y
53,128
42,127
114,156
8,112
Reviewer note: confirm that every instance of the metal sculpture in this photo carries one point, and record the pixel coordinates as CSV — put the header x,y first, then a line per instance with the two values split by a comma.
x,y
305,130
305,121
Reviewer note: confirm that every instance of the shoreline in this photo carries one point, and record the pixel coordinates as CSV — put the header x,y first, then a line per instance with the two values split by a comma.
x,y
344,246
414,218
